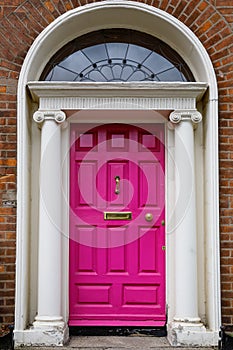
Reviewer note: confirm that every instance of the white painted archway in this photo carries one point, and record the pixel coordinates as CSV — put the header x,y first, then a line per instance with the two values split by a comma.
x,y
109,14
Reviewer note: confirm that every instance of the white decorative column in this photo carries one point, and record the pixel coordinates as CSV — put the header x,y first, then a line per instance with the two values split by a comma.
x,y
186,328
49,321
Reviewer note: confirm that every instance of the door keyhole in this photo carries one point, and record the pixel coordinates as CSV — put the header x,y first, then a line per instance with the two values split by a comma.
x,y
117,189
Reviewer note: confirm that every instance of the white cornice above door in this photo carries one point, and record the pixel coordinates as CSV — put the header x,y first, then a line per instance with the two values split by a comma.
x,y
75,95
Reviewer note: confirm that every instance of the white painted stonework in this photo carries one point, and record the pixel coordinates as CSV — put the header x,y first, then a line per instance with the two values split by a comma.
x,y
45,111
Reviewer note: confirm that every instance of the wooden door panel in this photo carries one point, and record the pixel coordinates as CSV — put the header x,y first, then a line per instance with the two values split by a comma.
x,y
117,268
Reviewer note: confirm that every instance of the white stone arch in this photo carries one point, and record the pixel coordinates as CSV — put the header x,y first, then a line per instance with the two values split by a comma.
x,y
145,18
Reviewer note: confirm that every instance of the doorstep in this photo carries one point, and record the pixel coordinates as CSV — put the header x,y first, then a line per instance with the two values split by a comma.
x,y
116,343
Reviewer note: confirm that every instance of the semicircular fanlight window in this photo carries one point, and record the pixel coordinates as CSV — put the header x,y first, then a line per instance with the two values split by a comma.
x,y
116,55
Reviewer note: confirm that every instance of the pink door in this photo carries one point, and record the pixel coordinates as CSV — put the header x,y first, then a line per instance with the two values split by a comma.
x,y
117,236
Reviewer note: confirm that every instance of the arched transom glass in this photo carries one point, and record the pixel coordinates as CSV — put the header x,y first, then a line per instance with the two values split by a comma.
x,y
116,55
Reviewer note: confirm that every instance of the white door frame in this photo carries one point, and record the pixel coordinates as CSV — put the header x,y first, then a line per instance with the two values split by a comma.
x,y
137,16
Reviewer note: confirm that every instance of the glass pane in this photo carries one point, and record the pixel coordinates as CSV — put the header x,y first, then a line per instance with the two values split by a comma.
x,y
76,62
117,72
171,75
61,74
96,53
107,72
137,76
157,63
126,73
96,76
138,53
116,50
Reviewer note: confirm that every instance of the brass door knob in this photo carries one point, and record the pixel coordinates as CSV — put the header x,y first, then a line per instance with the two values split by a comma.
x,y
149,217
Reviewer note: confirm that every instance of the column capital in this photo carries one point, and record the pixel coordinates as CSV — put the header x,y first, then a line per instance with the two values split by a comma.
x,y
187,114
57,115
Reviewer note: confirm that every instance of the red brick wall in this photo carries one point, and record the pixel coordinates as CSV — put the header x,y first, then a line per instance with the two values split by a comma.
x,y
20,23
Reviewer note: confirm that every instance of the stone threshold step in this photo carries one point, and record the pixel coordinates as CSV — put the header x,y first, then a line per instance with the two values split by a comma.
x,y
118,343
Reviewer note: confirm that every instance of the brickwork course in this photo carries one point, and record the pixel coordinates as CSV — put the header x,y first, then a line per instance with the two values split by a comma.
x,y
20,23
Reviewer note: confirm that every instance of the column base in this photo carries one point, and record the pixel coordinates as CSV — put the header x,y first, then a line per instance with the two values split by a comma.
x,y
191,334
43,334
